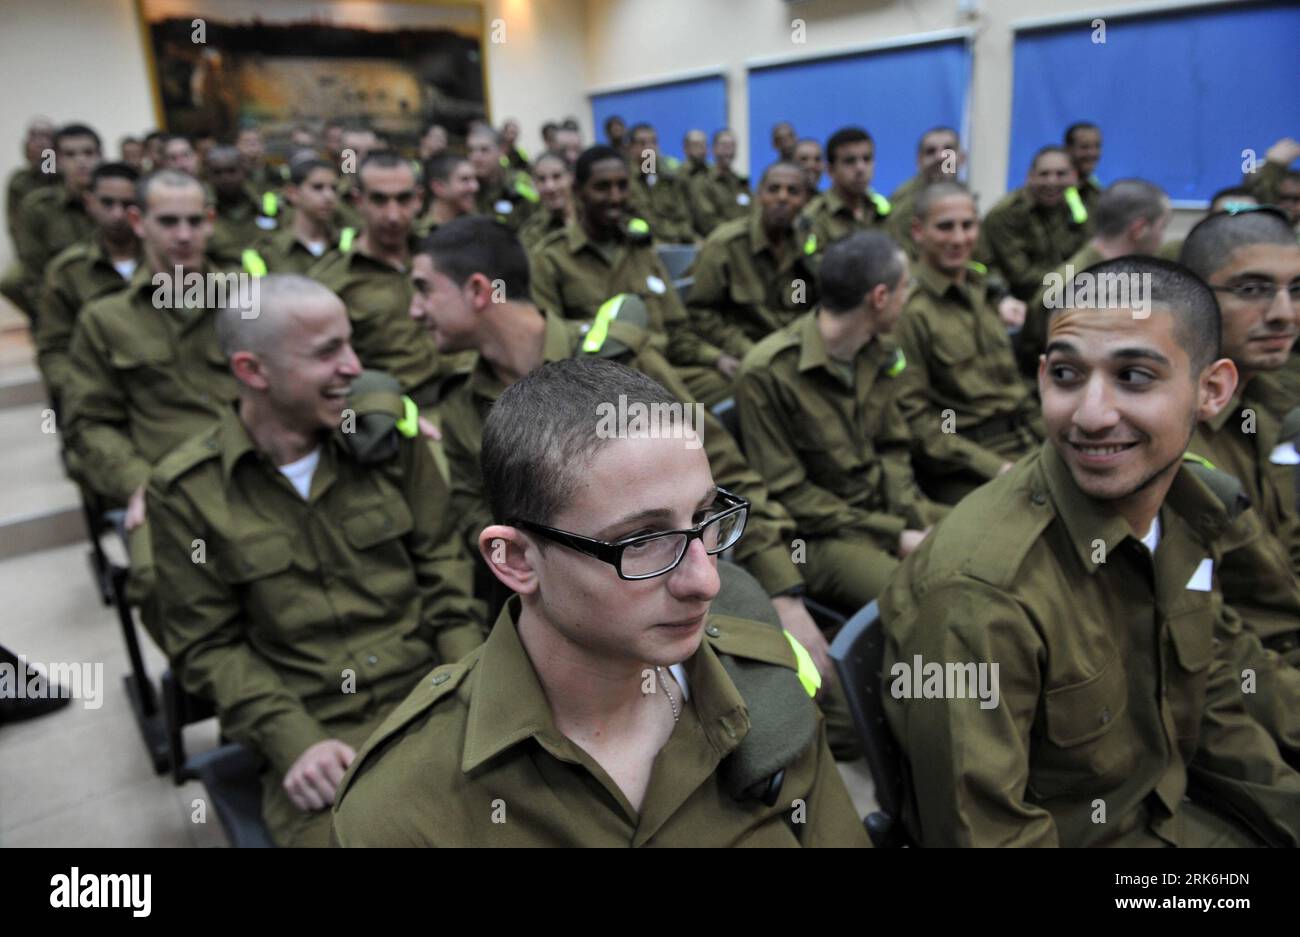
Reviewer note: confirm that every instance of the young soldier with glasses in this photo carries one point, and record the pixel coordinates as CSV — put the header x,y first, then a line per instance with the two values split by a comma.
x,y
609,706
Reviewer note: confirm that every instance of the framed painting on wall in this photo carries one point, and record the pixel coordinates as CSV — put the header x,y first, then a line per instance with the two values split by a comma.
x,y
392,65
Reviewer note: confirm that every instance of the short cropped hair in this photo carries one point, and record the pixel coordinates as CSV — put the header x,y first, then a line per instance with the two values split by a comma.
x,y
854,266
920,144
75,130
843,137
479,244
383,159
540,436
934,192
1198,325
1074,128
278,294
114,171
302,167
174,178
1044,151
785,164
1209,246
589,158
1125,201
439,168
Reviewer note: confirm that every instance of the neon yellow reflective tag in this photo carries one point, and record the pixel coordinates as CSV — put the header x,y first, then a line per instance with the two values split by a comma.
x,y
810,245
900,362
525,188
409,424
253,263
638,226
808,675
599,330
1198,459
1078,212
976,266
270,204
883,207
346,237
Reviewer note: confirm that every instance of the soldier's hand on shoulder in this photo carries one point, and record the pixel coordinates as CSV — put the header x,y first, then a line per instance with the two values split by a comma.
x,y
315,776
428,430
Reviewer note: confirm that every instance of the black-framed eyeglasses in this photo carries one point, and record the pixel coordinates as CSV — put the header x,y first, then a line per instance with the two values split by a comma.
x,y
1261,291
649,555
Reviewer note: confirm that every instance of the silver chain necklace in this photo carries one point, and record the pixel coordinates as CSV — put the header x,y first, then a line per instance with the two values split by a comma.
x,y
671,702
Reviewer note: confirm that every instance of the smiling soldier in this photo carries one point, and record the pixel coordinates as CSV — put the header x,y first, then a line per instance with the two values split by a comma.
x,y
1087,573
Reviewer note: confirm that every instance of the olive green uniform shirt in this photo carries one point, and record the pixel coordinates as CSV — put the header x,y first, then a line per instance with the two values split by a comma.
x,y
239,225
1260,583
1115,687
574,276
835,453
282,252
384,335
959,358
665,203
76,276
1025,241
22,180
539,224
511,199
50,220
829,218
744,289
717,196
473,758
144,379
763,549
305,611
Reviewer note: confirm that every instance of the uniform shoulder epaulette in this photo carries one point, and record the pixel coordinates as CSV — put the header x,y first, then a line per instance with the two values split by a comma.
x,y
550,238
770,347
730,230
38,196
1227,488
433,688
996,556
185,457
69,255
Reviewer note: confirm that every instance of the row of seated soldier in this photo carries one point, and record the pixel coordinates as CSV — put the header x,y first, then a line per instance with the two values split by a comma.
x,y
372,427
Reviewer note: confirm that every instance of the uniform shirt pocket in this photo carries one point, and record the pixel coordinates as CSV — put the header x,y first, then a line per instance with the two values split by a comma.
x,y
1082,746
255,566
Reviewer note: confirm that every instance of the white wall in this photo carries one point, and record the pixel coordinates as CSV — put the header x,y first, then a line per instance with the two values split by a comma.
x,y
71,60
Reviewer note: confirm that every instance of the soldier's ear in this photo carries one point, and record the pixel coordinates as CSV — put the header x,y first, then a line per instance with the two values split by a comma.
x,y
247,368
136,218
509,554
482,291
1217,385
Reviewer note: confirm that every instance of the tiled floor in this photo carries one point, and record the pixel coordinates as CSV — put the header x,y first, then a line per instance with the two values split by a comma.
x,y
80,776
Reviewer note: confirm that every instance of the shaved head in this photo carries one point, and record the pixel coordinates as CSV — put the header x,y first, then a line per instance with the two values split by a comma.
x,y
279,296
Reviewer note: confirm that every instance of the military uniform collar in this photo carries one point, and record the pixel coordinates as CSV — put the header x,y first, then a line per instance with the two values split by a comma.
x,y
70,201
510,706
758,239
232,439
557,345
1086,520
356,253
939,284
812,347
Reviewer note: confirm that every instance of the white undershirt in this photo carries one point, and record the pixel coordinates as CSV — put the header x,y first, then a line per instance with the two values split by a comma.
x,y
679,674
300,473
316,247
1152,538
126,267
